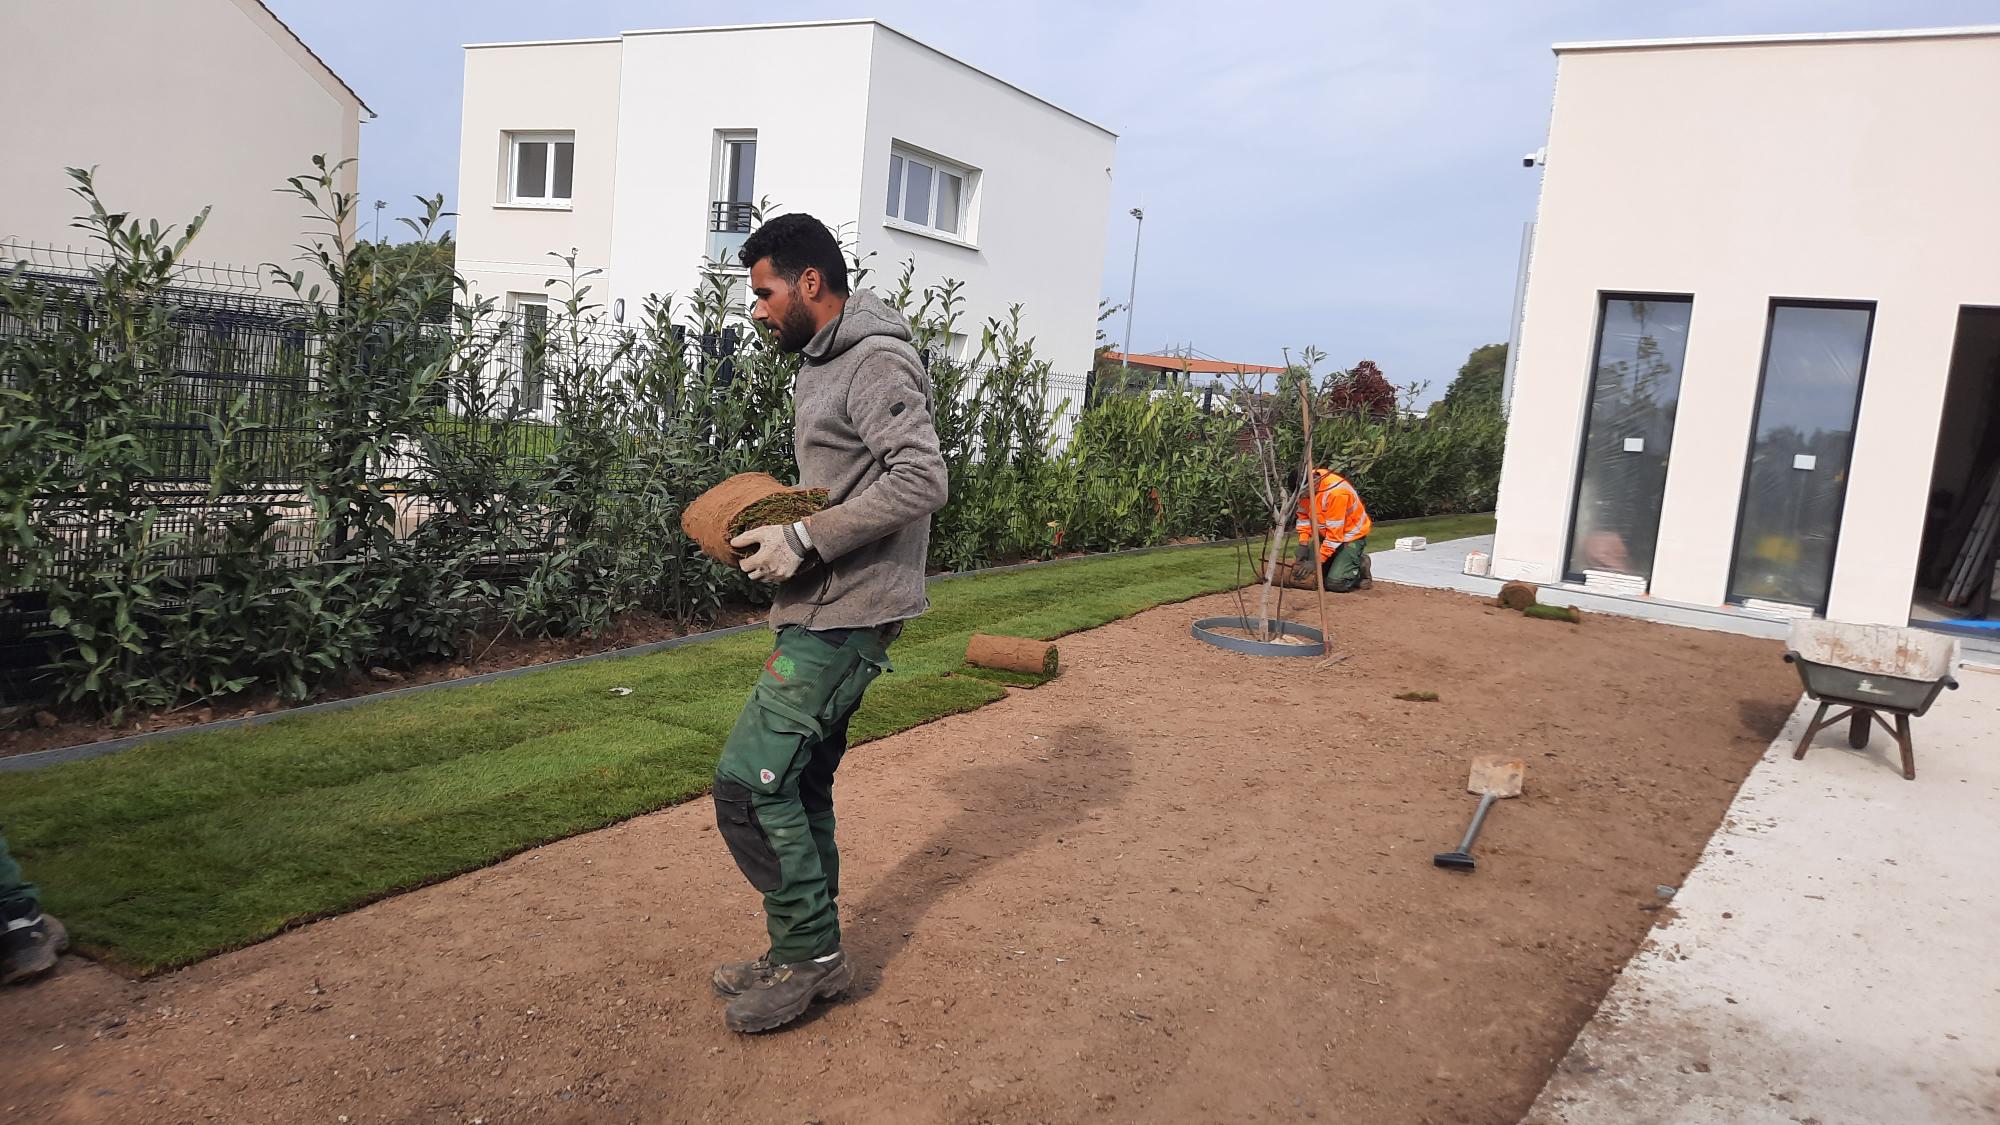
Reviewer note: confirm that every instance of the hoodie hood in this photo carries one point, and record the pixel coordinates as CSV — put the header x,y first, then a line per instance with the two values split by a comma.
x,y
863,316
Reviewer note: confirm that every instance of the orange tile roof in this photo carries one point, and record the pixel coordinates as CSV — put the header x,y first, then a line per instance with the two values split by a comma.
x,y
1192,366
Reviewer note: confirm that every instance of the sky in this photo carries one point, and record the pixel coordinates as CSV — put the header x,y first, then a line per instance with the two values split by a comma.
x,y
1335,174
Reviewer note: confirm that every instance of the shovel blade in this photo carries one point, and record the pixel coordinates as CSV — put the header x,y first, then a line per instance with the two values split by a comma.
x,y
1496,774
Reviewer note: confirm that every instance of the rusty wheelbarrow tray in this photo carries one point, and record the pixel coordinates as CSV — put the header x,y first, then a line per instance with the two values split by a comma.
x,y
1872,671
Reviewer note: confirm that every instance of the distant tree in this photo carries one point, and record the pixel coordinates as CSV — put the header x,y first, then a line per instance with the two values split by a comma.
x,y
1479,381
1361,389
418,261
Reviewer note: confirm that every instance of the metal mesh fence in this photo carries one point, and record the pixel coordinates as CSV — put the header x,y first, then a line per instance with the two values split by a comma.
x,y
237,351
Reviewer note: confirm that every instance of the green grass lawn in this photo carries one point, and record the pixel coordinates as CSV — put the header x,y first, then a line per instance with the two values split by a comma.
x,y
162,855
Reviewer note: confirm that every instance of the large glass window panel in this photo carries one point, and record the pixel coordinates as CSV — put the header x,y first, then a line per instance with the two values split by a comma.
x,y
1814,355
565,168
949,189
531,175
917,194
742,177
1635,389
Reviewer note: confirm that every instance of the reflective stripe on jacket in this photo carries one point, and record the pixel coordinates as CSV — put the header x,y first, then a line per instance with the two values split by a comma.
x,y
1343,518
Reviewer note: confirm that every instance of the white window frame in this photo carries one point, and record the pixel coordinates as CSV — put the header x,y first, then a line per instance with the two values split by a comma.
x,y
511,152
533,386
718,186
719,180
900,157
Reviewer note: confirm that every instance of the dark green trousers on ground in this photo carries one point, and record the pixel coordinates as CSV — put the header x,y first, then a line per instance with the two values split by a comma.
x,y
17,896
1343,570
774,785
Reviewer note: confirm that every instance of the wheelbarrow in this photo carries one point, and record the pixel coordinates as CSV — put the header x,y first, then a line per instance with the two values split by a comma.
x,y
1872,671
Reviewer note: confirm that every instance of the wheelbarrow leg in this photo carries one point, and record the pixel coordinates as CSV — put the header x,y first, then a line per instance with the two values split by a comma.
x,y
1818,724
1909,752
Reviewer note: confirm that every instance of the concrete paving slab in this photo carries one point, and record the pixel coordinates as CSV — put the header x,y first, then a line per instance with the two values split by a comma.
x,y
1441,567
1831,958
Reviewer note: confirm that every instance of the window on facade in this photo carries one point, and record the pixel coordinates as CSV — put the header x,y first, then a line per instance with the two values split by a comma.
x,y
531,336
1635,389
1796,482
541,168
732,206
927,192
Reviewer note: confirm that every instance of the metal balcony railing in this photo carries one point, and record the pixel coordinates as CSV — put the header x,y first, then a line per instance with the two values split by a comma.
x,y
725,217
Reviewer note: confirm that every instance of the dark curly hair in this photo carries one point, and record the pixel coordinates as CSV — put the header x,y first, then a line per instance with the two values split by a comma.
x,y
794,244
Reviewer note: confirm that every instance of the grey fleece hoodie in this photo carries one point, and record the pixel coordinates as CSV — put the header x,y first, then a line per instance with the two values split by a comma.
x,y
864,433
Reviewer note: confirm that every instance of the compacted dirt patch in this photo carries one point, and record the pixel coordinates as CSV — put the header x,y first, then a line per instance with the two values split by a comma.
x,y
1175,884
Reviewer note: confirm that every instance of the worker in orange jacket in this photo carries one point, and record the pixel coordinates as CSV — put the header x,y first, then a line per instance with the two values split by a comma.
x,y
1343,527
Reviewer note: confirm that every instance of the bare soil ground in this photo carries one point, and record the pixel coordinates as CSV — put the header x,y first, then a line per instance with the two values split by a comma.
x,y
1175,884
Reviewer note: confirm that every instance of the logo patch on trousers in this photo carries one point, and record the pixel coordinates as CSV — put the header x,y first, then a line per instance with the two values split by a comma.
x,y
766,776
780,666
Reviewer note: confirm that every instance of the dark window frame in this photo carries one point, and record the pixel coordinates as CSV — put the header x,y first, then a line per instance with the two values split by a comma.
x,y
1604,299
1771,308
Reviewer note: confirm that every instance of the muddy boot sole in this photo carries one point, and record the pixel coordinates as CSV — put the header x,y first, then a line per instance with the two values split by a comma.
x,y
834,985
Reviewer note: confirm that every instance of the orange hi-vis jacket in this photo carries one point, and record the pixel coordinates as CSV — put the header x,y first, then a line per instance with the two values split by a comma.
x,y
1343,518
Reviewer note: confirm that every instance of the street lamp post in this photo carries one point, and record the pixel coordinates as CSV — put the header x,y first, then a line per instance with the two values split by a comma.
x,y
375,252
1131,297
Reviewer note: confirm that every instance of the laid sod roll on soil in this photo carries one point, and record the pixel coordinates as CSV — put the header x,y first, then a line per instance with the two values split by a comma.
x,y
1567,613
1517,595
1011,654
745,501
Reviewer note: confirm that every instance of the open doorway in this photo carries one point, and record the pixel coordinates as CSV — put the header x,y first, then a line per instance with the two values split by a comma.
x,y
1961,541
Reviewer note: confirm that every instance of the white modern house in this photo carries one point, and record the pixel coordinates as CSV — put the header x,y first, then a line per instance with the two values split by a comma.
x,y
179,106
1759,360
645,153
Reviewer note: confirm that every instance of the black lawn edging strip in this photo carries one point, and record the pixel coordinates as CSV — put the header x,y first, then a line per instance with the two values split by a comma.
x,y
58,755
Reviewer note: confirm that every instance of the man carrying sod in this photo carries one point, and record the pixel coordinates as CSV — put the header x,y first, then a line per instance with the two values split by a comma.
x,y
847,578
1343,527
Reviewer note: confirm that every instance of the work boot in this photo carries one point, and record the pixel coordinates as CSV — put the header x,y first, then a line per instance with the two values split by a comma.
x,y
785,992
30,947
1367,575
736,977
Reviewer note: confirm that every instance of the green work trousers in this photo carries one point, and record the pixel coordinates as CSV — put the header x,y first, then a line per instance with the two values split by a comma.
x,y
774,785
1344,568
17,896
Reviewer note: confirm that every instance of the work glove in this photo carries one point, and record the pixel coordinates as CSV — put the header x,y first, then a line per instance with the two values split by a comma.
x,y
774,559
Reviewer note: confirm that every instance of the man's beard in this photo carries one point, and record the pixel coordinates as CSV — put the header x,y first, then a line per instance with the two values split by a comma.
x,y
797,329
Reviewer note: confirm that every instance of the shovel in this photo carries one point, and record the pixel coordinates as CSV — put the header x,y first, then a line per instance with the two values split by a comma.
x,y
1493,777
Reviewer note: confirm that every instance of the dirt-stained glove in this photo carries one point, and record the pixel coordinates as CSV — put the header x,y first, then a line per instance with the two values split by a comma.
x,y
774,560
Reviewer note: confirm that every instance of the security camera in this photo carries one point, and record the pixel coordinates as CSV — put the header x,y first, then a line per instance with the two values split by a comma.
x,y
1537,157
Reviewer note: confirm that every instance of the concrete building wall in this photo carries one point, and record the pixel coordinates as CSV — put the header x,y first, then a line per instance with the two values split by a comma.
x,y
802,89
546,88
1036,234
1851,169
198,103
827,102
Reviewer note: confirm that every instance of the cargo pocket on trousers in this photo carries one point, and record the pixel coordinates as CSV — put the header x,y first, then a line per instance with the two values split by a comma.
x,y
736,819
